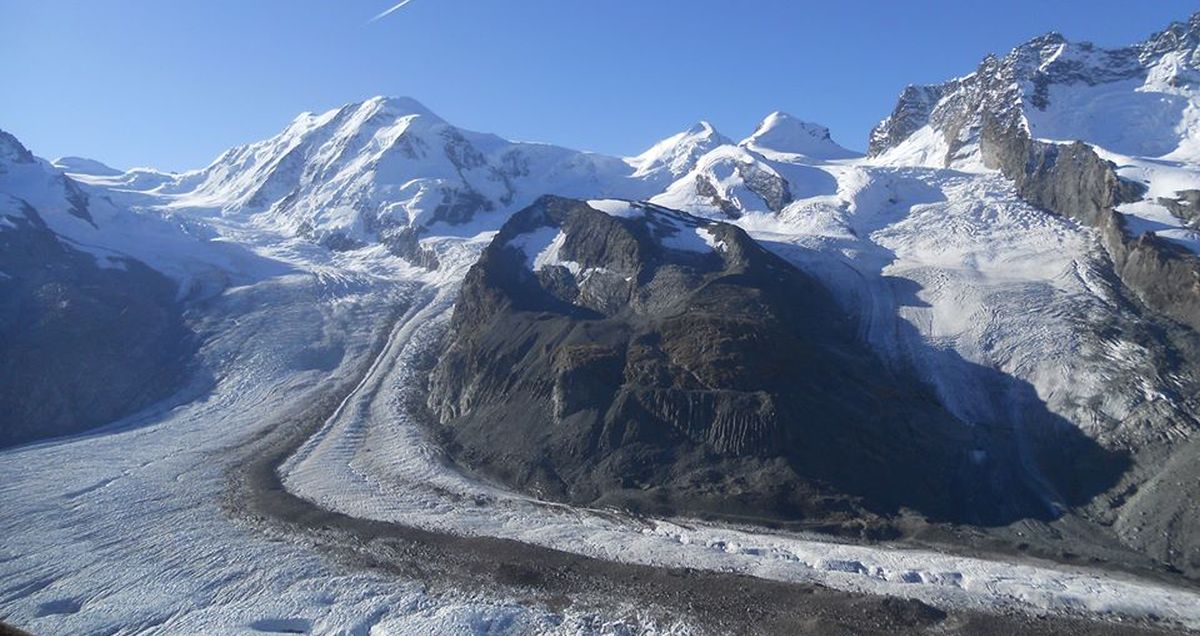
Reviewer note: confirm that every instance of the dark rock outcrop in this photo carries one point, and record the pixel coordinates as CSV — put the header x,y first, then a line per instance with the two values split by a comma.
x,y
1185,206
912,112
718,381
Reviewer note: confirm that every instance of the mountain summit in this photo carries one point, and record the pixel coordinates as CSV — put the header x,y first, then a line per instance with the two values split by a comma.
x,y
1142,100
676,155
783,133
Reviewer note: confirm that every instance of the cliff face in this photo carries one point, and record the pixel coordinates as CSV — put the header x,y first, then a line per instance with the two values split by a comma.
x,y
1133,102
642,357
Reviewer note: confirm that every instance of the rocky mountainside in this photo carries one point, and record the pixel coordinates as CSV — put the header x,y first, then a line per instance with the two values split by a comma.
x,y
764,173
86,337
1108,137
608,353
1137,101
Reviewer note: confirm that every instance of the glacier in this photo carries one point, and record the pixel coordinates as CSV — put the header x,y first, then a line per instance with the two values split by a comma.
x,y
297,254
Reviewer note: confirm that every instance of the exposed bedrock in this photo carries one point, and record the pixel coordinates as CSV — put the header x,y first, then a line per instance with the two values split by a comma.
x,y
611,362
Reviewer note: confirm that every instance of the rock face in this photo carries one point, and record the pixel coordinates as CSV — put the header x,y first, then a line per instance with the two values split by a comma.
x,y
1130,100
1185,205
625,354
732,180
913,111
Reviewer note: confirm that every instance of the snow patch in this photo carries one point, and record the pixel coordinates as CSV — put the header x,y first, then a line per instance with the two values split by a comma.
x,y
618,208
709,237
541,248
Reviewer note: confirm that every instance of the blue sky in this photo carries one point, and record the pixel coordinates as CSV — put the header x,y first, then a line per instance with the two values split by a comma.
x,y
171,84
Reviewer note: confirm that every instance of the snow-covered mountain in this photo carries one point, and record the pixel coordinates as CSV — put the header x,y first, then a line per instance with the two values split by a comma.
x,y
386,169
99,221
674,156
1139,106
783,134
88,334
1043,292
1136,175
1140,100
389,171
40,185
85,166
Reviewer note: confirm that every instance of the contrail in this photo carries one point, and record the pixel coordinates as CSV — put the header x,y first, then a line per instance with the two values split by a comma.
x,y
389,11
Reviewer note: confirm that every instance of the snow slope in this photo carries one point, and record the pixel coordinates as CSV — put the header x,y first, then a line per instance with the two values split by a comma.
x,y
674,156
353,175
85,166
99,222
784,134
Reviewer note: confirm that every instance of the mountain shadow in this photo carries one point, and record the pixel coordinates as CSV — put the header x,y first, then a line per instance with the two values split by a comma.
x,y
82,344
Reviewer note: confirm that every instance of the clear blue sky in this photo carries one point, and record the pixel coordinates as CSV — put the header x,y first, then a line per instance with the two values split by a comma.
x,y
170,84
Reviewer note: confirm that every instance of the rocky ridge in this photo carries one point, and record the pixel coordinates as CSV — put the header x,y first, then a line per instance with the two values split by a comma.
x,y
609,353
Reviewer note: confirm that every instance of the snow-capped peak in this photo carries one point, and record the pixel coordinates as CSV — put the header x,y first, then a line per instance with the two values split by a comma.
x,y
30,182
677,155
1181,37
85,166
316,148
1142,100
783,133
397,107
